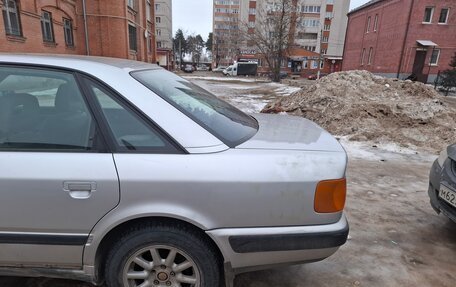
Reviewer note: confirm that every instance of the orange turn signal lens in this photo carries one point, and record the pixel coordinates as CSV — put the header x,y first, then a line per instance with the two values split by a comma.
x,y
330,196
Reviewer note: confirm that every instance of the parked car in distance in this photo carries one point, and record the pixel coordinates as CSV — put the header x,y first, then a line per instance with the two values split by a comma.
x,y
315,76
283,75
188,69
442,183
219,69
121,172
241,69
202,68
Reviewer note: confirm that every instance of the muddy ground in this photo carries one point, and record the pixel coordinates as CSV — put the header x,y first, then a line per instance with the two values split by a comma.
x,y
396,239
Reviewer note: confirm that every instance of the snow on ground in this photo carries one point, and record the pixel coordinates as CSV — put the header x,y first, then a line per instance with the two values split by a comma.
x,y
249,94
383,151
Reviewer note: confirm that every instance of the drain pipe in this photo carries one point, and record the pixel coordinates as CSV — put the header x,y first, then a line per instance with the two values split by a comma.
x,y
401,59
85,27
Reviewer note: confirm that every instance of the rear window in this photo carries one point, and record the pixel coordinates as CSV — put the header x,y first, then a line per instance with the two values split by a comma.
x,y
224,121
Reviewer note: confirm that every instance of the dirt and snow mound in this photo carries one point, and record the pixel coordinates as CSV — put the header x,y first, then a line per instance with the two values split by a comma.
x,y
366,107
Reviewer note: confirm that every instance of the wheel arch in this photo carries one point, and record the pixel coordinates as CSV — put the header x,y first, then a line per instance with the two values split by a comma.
x,y
109,238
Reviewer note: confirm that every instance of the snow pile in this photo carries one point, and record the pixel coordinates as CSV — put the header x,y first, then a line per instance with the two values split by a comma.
x,y
366,107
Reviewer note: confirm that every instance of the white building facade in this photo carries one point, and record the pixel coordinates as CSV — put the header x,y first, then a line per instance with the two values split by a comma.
x,y
164,32
319,27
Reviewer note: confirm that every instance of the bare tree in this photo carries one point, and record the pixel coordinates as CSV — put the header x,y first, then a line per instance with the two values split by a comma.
x,y
273,32
195,47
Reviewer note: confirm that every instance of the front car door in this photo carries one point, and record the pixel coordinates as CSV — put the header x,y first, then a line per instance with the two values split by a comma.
x,y
56,177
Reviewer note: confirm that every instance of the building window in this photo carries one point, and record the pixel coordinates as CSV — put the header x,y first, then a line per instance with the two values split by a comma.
x,y
428,12
435,57
132,38
443,19
375,22
368,25
322,64
148,8
310,48
157,7
158,19
311,9
68,32
362,56
310,23
131,4
149,42
305,64
314,64
325,39
11,18
46,27
371,54
159,44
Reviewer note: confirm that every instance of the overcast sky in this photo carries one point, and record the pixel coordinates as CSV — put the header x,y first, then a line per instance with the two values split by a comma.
x,y
195,16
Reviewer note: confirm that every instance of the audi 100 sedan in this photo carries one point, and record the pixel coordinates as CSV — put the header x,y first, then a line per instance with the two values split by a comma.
x,y
121,172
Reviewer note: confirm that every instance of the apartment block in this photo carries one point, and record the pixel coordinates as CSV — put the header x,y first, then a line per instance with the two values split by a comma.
x,y
400,38
317,34
116,28
226,31
164,32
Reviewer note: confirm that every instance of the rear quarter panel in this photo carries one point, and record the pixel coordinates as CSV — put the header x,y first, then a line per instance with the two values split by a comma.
x,y
231,189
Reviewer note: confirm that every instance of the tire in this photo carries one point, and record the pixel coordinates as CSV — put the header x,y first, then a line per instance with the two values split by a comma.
x,y
184,257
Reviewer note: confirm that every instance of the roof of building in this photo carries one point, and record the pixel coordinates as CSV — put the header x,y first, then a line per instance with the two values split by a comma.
x,y
372,2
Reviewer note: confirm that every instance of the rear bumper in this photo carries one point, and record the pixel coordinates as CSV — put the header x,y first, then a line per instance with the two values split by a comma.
x,y
247,249
288,242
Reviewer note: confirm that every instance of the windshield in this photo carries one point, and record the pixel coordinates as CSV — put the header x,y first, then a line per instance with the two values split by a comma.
x,y
224,121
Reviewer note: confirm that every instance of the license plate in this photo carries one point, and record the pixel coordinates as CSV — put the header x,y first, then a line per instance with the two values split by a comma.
x,y
448,195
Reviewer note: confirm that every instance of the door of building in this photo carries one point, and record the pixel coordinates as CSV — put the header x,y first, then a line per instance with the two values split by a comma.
x,y
418,65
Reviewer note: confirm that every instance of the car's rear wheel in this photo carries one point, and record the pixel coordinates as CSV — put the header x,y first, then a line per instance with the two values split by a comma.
x,y
159,256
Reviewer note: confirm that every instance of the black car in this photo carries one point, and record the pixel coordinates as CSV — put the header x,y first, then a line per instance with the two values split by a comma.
x,y
442,183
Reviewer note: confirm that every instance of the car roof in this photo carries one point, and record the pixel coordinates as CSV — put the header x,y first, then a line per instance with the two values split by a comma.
x,y
85,63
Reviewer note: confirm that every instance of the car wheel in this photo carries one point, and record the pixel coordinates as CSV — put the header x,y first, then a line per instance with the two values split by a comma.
x,y
161,255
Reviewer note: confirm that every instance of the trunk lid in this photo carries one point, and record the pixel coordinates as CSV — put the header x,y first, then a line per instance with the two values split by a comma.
x,y
282,132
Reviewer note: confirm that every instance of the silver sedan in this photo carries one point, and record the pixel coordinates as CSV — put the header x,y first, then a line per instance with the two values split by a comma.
x,y
119,171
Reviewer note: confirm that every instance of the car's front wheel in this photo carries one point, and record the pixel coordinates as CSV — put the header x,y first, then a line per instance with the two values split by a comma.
x,y
161,255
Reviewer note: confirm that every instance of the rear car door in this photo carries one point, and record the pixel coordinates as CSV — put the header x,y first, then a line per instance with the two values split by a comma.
x,y
56,177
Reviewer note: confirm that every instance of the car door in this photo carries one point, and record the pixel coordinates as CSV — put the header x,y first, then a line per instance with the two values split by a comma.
x,y
56,177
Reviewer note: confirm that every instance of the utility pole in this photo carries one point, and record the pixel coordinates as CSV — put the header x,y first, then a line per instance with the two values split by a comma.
x,y
321,55
180,54
321,58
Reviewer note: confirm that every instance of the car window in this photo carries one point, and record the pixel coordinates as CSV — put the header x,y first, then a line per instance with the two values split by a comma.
x,y
224,121
130,132
43,110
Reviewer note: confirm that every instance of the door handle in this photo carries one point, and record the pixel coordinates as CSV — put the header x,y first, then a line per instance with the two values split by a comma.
x,y
80,190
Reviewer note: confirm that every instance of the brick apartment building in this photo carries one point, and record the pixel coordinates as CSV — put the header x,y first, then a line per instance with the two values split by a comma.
x,y
319,31
397,38
111,28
